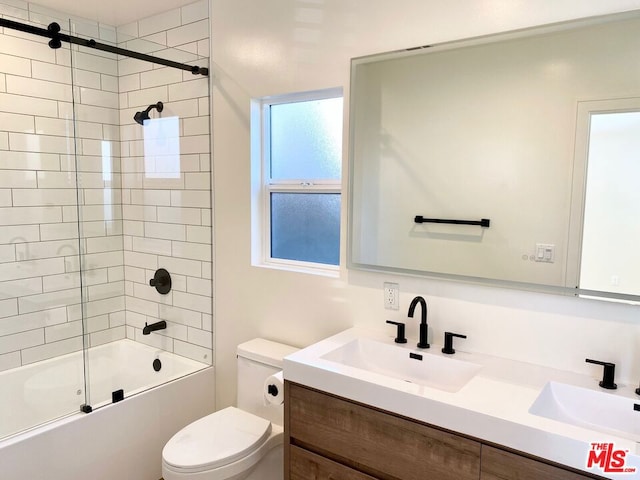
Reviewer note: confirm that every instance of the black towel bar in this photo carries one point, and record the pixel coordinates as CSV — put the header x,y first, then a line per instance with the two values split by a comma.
x,y
483,223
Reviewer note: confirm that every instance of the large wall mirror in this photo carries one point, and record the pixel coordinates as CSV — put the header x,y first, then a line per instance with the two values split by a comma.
x,y
512,159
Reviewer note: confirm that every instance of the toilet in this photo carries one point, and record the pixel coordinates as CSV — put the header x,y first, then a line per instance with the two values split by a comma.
x,y
236,443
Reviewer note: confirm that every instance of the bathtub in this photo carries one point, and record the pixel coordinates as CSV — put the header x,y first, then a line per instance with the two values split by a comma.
x,y
120,440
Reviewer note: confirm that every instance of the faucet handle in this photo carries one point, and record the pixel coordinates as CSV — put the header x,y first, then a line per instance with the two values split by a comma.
x,y
448,342
400,338
608,375
161,281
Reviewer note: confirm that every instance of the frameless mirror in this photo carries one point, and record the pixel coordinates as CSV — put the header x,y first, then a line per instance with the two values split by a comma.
x,y
473,160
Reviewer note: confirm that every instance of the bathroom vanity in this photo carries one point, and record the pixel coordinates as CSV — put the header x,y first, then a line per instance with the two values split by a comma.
x,y
331,437
356,410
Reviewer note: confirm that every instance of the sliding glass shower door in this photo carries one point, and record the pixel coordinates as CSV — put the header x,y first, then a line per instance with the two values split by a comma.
x,y
41,327
156,205
105,172
97,137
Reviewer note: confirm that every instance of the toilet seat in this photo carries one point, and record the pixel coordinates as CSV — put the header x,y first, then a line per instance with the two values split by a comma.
x,y
224,470
219,439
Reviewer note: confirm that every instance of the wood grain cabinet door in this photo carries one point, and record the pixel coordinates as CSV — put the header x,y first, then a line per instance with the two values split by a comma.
x,y
305,465
500,465
376,443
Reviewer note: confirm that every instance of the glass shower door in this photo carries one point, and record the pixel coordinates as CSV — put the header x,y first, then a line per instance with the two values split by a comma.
x,y
96,113
94,198
144,179
41,328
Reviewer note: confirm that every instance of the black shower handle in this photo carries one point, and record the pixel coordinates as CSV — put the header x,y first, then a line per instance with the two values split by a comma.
x,y
162,281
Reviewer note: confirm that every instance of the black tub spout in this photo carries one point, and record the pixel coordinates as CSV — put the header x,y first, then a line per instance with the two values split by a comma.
x,y
161,325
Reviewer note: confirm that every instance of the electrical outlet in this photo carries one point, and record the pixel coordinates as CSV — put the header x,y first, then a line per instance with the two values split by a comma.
x,y
391,296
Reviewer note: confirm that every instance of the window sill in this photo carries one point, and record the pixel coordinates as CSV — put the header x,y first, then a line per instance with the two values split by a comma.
x,y
330,271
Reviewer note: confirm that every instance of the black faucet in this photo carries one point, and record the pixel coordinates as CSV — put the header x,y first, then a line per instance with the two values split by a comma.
x,y
448,342
608,375
423,320
400,338
161,325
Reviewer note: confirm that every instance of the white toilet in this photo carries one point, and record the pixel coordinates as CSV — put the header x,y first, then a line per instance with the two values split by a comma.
x,y
244,443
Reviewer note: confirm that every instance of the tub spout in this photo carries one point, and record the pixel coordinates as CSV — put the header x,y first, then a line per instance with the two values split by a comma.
x,y
161,325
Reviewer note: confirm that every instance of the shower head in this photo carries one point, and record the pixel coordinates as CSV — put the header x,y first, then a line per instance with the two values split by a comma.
x,y
140,117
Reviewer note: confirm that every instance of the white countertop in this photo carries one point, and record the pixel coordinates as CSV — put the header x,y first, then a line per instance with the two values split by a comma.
x,y
492,406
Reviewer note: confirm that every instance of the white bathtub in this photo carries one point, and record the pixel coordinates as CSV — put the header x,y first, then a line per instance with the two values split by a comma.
x,y
122,440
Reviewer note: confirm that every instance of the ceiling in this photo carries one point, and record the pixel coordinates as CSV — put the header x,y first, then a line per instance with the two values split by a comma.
x,y
113,12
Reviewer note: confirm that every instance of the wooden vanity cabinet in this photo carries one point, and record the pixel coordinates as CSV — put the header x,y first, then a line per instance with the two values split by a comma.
x,y
499,464
373,442
306,465
331,438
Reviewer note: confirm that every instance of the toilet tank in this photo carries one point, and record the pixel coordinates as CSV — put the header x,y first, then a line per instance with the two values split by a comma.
x,y
257,360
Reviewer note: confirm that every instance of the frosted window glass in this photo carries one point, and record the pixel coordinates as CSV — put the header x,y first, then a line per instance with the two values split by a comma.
x,y
306,140
306,227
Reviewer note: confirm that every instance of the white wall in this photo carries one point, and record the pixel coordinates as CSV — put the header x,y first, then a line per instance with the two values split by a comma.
x,y
268,48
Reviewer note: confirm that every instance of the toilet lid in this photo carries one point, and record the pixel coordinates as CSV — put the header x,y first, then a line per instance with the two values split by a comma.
x,y
215,440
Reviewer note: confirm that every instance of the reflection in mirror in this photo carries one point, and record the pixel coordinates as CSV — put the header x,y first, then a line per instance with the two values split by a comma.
x,y
611,231
485,129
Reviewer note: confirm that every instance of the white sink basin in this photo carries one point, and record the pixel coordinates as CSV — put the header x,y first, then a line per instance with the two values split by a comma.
x,y
432,370
601,411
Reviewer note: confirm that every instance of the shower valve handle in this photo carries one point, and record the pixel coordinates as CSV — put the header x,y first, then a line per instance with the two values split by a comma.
x,y
161,281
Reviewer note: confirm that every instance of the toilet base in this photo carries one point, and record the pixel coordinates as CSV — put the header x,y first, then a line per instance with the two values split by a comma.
x,y
271,467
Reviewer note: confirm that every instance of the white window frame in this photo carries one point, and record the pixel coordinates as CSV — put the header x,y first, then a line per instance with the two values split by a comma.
x,y
263,186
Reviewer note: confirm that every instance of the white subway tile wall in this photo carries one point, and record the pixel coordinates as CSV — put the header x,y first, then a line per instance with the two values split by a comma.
x,y
137,212
166,212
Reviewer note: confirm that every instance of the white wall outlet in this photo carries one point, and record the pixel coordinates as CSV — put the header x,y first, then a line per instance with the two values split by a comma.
x,y
391,296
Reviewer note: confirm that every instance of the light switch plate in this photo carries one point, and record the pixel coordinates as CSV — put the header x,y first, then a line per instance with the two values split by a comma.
x,y
545,252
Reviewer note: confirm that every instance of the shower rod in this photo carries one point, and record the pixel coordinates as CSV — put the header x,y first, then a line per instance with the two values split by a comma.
x,y
53,32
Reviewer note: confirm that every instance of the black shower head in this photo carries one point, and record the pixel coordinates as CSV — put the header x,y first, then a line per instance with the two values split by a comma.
x,y
140,117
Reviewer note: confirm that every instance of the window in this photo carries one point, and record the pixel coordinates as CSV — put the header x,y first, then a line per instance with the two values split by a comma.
x,y
297,201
